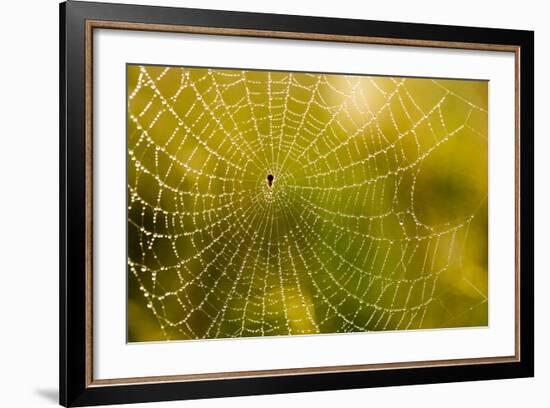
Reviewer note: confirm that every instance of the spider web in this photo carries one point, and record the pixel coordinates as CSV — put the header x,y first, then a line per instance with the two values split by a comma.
x,y
344,239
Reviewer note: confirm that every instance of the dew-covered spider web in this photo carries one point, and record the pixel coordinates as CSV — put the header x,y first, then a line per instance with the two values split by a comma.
x,y
280,203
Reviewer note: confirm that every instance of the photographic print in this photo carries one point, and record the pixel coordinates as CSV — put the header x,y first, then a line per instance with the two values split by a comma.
x,y
256,204
269,203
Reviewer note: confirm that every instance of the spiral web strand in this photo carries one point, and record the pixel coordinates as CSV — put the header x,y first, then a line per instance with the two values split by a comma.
x,y
342,239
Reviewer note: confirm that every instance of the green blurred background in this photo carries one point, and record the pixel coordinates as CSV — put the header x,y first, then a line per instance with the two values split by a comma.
x,y
376,218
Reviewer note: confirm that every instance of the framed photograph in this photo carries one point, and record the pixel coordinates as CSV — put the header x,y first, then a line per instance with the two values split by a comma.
x,y
256,203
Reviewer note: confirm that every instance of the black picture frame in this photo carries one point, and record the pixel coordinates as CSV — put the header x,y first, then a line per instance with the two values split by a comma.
x,y
76,385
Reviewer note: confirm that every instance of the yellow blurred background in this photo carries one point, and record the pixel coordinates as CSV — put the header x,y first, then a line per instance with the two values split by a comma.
x,y
375,218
